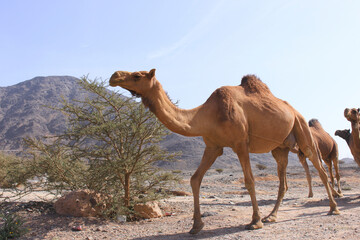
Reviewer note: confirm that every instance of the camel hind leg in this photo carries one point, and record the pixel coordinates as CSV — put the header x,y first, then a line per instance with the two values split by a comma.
x,y
334,158
329,166
337,174
307,146
281,157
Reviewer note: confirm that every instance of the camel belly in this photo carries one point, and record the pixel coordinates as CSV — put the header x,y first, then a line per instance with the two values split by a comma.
x,y
260,144
267,130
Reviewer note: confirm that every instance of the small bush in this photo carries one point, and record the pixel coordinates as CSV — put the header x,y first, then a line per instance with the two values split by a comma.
x,y
219,170
12,171
261,166
12,226
176,171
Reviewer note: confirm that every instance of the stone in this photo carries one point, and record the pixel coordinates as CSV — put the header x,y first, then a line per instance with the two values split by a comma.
x,y
148,210
81,203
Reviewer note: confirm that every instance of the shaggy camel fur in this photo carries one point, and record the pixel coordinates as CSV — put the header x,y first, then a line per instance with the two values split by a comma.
x,y
247,118
328,150
353,138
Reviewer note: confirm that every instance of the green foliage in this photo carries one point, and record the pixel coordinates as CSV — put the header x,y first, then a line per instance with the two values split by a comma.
x,y
219,170
110,146
11,226
12,171
261,166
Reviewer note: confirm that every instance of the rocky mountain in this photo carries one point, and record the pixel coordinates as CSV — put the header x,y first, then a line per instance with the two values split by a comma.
x,y
23,113
23,110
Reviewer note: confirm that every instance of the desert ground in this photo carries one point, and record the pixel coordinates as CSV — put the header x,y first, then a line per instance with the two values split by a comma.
x,y
226,207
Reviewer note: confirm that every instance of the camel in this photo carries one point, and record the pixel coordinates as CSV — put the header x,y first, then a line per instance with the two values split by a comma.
x,y
344,134
329,153
353,138
246,118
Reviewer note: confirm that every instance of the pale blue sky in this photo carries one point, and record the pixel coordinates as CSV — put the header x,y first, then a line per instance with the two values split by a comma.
x,y
307,52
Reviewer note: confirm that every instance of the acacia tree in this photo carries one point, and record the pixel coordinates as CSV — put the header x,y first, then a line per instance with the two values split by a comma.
x,y
110,146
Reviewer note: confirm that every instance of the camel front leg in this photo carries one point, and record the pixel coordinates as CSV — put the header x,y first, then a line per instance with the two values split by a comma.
x,y
209,157
281,157
243,154
303,162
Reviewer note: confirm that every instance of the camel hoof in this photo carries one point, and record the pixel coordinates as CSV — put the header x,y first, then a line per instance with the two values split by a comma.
x,y
310,195
197,228
254,226
339,195
336,211
269,219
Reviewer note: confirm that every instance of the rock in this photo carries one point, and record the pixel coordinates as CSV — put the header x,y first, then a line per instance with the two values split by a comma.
x,y
121,218
81,203
148,210
208,214
77,228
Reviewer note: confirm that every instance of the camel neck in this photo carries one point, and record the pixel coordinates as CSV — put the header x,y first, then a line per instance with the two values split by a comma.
x,y
177,120
355,132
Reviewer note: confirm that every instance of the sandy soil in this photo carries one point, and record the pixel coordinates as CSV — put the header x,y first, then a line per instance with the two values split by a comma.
x,y
227,209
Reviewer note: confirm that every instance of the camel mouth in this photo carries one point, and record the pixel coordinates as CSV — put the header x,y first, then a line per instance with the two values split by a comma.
x,y
133,93
113,82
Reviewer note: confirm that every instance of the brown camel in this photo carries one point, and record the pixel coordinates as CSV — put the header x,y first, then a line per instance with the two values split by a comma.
x,y
329,153
344,134
353,116
247,118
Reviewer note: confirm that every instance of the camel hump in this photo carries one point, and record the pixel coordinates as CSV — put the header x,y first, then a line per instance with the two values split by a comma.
x,y
314,123
253,84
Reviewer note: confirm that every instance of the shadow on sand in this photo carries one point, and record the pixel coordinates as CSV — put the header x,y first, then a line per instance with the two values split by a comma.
x,y
347,202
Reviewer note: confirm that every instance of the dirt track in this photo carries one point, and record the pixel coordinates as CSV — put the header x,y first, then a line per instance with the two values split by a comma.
x,y
224,199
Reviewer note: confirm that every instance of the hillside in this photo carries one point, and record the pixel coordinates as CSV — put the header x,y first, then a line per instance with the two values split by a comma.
x,y
23,110
23,113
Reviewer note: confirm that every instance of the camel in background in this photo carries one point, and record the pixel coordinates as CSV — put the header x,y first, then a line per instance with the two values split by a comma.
x,y
344,134
352,138
329,153
247,118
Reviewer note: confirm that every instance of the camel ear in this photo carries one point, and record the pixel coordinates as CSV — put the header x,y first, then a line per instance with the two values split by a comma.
x,y
152,73
358,110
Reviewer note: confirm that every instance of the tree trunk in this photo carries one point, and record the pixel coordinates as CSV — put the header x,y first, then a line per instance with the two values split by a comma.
x,y
127,190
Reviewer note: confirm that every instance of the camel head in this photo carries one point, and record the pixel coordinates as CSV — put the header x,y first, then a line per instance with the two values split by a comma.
x,y
352,115
137,83
345,134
